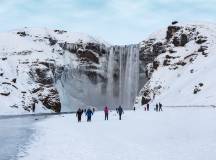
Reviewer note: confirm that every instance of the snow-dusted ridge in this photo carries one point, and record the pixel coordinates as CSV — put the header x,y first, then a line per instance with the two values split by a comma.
x,y
184,68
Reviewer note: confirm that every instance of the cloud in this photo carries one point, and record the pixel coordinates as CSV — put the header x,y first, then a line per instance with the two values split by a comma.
x,y
118,21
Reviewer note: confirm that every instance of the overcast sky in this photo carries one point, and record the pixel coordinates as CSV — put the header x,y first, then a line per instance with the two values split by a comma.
x,y
117,21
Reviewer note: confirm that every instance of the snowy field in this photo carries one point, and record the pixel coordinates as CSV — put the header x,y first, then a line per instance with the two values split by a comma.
x,y
175,134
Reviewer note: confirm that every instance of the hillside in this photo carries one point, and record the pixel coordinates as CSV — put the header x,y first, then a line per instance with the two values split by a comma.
x,y
184,66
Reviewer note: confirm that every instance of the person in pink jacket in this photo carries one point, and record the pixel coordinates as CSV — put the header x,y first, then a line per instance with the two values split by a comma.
x,y
106,111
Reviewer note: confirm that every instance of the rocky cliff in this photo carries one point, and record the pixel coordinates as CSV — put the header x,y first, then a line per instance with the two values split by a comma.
x,y
182,69
33,60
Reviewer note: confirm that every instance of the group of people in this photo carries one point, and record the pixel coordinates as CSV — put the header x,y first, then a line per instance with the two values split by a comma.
x,y
158,107
89,113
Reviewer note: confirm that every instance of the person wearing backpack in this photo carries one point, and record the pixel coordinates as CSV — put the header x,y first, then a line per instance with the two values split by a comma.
x,y
89,114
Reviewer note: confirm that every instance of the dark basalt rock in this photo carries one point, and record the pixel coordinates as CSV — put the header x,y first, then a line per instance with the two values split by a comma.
x,y
174,22
146,96
87,56
5,93
203,49
172,51
181,63
52,41
196,90
201,84
60,31
44,73
22,34
27,52
35,90
184,40
93,47
14,80
156,64
52,100
89,52
169,57
180,41
166,62
176,41
201,40
40,74
171,30
158,48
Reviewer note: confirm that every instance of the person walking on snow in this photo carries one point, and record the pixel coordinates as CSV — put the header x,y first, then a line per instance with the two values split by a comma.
x,y
89,114
147,106
79,114
157,107
160,107
120,112
106,112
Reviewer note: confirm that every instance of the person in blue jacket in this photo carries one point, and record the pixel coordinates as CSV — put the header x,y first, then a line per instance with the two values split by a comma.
x,y
89,114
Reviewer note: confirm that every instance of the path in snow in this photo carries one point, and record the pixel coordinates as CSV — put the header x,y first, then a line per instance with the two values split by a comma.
x,y
175,134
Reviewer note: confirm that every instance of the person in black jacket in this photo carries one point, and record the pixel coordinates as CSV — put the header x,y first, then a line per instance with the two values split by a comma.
x,y
79,114
143,101
157,107
147,106
120,112
160,107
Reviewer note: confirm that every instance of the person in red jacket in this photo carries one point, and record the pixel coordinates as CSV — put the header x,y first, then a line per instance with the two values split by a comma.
x,y
106,111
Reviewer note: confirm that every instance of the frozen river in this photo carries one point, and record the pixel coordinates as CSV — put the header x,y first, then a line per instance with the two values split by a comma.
x,y
15,134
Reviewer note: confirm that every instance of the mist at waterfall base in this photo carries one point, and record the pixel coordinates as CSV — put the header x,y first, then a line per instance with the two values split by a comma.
x,y
120,87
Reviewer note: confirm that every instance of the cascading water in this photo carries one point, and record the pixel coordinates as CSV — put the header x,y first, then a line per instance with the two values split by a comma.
x,y
114,81
123,74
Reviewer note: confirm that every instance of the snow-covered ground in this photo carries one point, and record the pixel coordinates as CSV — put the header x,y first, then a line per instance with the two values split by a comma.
x,y
175,134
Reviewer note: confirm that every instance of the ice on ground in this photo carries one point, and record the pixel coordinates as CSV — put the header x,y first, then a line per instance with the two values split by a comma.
x,y
175,134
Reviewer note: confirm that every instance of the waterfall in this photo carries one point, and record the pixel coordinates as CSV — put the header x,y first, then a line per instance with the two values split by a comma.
x,y
115,81
124,74
110,71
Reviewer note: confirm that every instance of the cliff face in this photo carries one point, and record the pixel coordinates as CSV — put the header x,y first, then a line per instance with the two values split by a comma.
x,y
34,60
52,70
181,69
